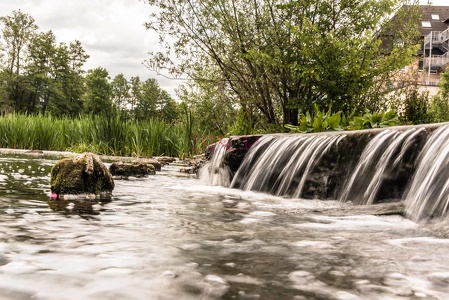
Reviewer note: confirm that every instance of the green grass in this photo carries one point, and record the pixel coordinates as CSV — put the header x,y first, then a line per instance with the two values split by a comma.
x,y
98,134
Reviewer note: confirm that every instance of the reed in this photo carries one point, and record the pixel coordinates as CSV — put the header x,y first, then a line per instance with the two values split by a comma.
x,y
108,135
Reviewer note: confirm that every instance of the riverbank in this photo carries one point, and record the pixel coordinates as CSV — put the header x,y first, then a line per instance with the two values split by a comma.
x,y
64,154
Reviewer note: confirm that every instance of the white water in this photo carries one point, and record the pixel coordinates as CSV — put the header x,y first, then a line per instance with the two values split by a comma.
x,y
172,237
283,160
428,195
213,172
380,156
280,166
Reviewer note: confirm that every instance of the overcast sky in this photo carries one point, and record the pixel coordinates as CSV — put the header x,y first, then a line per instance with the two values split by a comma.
x,y
111,31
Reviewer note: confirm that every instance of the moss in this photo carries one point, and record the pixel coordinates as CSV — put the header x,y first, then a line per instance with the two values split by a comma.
x,y
133,169
82,174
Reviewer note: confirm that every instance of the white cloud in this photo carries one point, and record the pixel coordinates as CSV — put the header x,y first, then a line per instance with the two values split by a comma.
x,y
111,32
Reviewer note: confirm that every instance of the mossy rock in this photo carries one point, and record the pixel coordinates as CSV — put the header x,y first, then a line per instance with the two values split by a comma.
x,y
83,174
156,164
134,169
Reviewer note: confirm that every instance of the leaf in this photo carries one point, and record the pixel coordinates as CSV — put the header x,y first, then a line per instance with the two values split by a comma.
x,y
334,121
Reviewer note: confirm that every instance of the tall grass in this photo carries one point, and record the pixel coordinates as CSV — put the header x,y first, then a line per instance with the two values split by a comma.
x,y
99,134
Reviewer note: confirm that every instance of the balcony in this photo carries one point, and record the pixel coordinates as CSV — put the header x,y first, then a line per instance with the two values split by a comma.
x,y
436,61
437,38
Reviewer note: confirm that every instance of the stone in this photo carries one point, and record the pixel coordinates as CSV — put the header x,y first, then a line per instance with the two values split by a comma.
x,y
237,148
209,152
195,164
165,160
136,169
82,174
156,164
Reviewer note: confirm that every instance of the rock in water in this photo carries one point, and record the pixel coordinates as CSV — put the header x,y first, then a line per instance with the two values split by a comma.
x,y
134,169
83,174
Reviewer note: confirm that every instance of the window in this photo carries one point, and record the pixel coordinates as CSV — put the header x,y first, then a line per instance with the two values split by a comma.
x,y
435,17
426,24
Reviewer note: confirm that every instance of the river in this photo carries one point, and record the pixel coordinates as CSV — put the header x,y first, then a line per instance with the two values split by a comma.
x,y
170,236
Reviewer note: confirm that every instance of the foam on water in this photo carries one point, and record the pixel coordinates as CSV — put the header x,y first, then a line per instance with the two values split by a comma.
x,y
168,237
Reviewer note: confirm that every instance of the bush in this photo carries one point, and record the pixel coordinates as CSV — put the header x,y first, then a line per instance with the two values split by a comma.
x,y
327,121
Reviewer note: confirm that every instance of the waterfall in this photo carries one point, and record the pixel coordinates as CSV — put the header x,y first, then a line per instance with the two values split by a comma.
x,y
214,172
280,165
365,167
380,159
428,195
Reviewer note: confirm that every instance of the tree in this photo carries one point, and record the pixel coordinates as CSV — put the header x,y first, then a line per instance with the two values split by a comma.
x,y
55,75
68,79
18,30
39,70
211,104
168,108
120,91
39,74
136,90
439,107
98,92
284,56
148,100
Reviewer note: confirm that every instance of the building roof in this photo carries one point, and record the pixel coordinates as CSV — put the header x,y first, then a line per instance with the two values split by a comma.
x,y
434,18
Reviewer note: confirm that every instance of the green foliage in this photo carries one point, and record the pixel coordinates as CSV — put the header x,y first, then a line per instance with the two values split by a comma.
x,y
444,84
416,108
321,121
98,94
37,73
280,57
439,109
374,120
439,106
108,135
211,104
185,142
40,75
241,125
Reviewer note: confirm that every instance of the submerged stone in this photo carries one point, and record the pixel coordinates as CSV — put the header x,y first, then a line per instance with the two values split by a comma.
x,y
133,169
83,174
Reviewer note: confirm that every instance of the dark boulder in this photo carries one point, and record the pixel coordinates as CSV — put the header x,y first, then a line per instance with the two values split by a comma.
x,y
237,148
121,169
83,174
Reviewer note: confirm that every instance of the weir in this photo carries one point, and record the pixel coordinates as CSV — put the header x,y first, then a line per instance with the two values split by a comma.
x,y
404,163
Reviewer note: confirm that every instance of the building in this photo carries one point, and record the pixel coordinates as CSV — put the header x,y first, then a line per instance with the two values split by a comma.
x,y
434,53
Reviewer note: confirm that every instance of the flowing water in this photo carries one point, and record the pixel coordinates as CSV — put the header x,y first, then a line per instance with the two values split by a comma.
x,y
380,157
174,237
429,190
282,160
213,171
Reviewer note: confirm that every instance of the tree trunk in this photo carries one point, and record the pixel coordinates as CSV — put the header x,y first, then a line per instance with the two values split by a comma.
x,y
291,116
